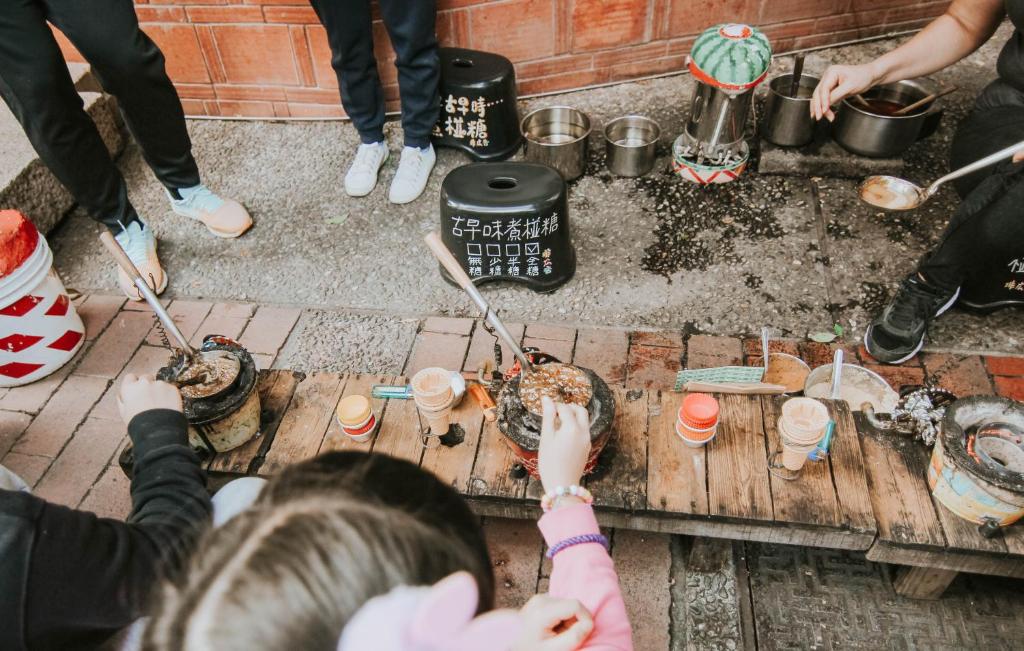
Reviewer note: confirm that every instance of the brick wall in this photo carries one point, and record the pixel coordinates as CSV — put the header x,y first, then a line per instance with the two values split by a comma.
x,y
269,58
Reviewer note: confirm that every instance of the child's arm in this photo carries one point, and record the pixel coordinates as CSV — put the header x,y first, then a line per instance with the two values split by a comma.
x,y
581,571
88,576
586,572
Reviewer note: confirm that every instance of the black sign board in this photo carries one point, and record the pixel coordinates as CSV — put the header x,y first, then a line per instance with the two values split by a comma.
x,y
508,221
479,114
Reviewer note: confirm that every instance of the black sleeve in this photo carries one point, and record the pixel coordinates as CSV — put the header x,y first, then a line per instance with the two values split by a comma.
x,y
90,576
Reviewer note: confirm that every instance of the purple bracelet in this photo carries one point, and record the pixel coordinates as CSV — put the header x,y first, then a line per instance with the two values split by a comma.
x,y
577,540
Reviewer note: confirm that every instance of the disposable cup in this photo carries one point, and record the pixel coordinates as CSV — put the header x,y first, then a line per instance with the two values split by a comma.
x,y
432,388
803,421
695,438
439,421
793,458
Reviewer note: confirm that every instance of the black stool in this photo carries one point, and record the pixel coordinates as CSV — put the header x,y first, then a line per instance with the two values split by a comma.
x,y
479,114
508,221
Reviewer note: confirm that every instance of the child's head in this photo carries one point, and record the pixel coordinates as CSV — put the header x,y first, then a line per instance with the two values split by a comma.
x,y
325,537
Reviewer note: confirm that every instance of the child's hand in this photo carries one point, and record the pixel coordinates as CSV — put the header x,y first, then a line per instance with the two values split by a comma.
x,y
551,624
564,444
139,394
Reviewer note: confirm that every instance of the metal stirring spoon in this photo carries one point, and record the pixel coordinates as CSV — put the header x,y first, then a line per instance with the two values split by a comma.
x,y
894,193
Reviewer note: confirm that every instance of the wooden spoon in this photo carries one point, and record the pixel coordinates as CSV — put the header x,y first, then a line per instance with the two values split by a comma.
x,y
925,100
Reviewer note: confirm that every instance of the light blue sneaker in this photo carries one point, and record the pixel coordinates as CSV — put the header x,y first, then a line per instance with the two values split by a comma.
x,y
139,243
223,217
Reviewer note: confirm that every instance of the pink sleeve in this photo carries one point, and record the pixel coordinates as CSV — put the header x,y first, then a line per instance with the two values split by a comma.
x,y
586,572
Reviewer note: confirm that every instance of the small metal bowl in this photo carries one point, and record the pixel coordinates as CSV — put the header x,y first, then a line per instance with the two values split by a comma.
x,y
631,142
557,136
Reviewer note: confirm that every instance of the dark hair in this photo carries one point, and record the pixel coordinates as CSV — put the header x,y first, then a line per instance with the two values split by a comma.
x,y
324,537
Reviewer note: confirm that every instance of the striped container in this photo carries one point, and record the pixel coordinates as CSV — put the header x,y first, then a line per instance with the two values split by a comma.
x,y
40,331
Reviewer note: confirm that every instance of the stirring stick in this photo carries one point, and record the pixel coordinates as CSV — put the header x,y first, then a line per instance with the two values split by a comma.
x,y
925,100
798,71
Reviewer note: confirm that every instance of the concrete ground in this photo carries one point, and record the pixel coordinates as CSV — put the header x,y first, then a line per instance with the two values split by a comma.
x,y
352,280
795,253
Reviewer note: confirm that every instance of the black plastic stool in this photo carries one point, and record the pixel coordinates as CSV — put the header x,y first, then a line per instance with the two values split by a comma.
x,y
479,114
508,221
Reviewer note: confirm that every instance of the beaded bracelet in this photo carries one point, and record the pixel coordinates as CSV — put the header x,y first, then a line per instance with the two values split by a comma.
x,y
547,502
577,540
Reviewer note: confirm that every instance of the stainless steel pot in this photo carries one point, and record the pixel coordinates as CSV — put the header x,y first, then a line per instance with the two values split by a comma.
x,y
630,143
884,136
557,136
787,120
717,119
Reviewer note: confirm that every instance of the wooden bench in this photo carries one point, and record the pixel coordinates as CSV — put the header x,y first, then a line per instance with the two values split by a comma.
x,y
870,495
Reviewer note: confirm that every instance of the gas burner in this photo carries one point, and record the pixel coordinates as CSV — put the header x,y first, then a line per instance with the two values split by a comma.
x,y
521,427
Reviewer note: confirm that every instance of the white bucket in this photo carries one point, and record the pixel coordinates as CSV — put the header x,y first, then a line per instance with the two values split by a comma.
x,y
40,331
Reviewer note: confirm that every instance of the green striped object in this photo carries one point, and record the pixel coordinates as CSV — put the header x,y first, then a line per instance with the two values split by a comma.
x,y
731,56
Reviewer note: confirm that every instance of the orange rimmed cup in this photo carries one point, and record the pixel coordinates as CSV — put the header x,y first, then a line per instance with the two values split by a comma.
x,y
356,418
697,420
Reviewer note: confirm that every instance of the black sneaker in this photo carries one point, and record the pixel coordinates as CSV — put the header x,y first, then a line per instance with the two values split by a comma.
x,y
897,334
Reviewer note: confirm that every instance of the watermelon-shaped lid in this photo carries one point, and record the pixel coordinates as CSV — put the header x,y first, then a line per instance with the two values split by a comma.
x,y
731,56
18,239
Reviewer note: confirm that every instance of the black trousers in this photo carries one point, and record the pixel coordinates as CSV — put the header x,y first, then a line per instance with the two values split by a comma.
x,y
411,26
986,234
36,85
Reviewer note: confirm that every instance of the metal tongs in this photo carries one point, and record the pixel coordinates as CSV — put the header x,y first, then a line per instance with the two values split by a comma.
x,y
445,257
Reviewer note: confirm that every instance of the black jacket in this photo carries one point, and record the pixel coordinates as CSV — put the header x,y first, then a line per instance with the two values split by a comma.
x,y
69,579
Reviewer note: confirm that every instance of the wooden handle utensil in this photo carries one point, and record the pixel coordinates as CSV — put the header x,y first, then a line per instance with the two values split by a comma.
x,y
445,257
924,100
741,388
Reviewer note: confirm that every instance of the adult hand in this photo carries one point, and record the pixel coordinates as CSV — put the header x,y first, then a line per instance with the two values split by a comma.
x,y
139,394
1019,156
564,444
837,83
552,624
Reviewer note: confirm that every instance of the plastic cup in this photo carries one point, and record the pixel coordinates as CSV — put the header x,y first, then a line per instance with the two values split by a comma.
x,y
356,418
432,388
801,426
695,438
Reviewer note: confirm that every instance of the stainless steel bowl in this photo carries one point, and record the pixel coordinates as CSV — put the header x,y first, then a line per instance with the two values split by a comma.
x,y
631,143
884,136
557,136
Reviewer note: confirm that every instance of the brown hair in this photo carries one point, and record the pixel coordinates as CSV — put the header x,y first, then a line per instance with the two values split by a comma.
x,y
324,537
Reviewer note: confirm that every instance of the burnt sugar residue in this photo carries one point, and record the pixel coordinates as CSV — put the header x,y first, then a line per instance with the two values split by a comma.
x,y
699,226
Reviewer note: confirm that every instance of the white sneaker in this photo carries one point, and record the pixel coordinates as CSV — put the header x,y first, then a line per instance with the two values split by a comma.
x,y
139,243
222,217
362,175
413,172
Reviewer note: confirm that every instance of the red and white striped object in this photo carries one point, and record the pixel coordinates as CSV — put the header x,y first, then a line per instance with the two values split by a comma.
x,y
40,331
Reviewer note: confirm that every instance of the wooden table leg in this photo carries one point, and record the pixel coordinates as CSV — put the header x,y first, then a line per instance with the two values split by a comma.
x,y
709,554
922,582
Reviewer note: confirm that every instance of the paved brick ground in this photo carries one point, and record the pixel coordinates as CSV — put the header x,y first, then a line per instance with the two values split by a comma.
x,y
63,435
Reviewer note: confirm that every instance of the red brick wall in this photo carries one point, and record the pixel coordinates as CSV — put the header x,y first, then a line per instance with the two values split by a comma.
x,y
270,58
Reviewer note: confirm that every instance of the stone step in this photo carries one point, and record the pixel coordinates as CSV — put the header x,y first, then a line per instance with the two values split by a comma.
x,y
25,182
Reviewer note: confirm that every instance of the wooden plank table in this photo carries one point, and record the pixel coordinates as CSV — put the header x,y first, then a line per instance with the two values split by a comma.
x,y
870,495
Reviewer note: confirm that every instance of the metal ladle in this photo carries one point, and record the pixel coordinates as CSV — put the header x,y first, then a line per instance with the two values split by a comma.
x,y
208,357
894,193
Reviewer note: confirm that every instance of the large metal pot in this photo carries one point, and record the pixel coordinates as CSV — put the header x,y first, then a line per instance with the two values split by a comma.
x,y
885,136
557,136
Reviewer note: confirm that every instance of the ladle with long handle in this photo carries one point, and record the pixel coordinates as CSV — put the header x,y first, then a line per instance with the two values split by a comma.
x,y
927,99
894,193
445,257
129,268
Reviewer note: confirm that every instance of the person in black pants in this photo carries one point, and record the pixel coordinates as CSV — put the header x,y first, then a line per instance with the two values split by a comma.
x,y
980,260
37,87
411,27
70,579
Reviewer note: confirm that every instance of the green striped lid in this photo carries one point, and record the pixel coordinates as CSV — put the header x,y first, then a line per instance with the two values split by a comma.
x,y
732,56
